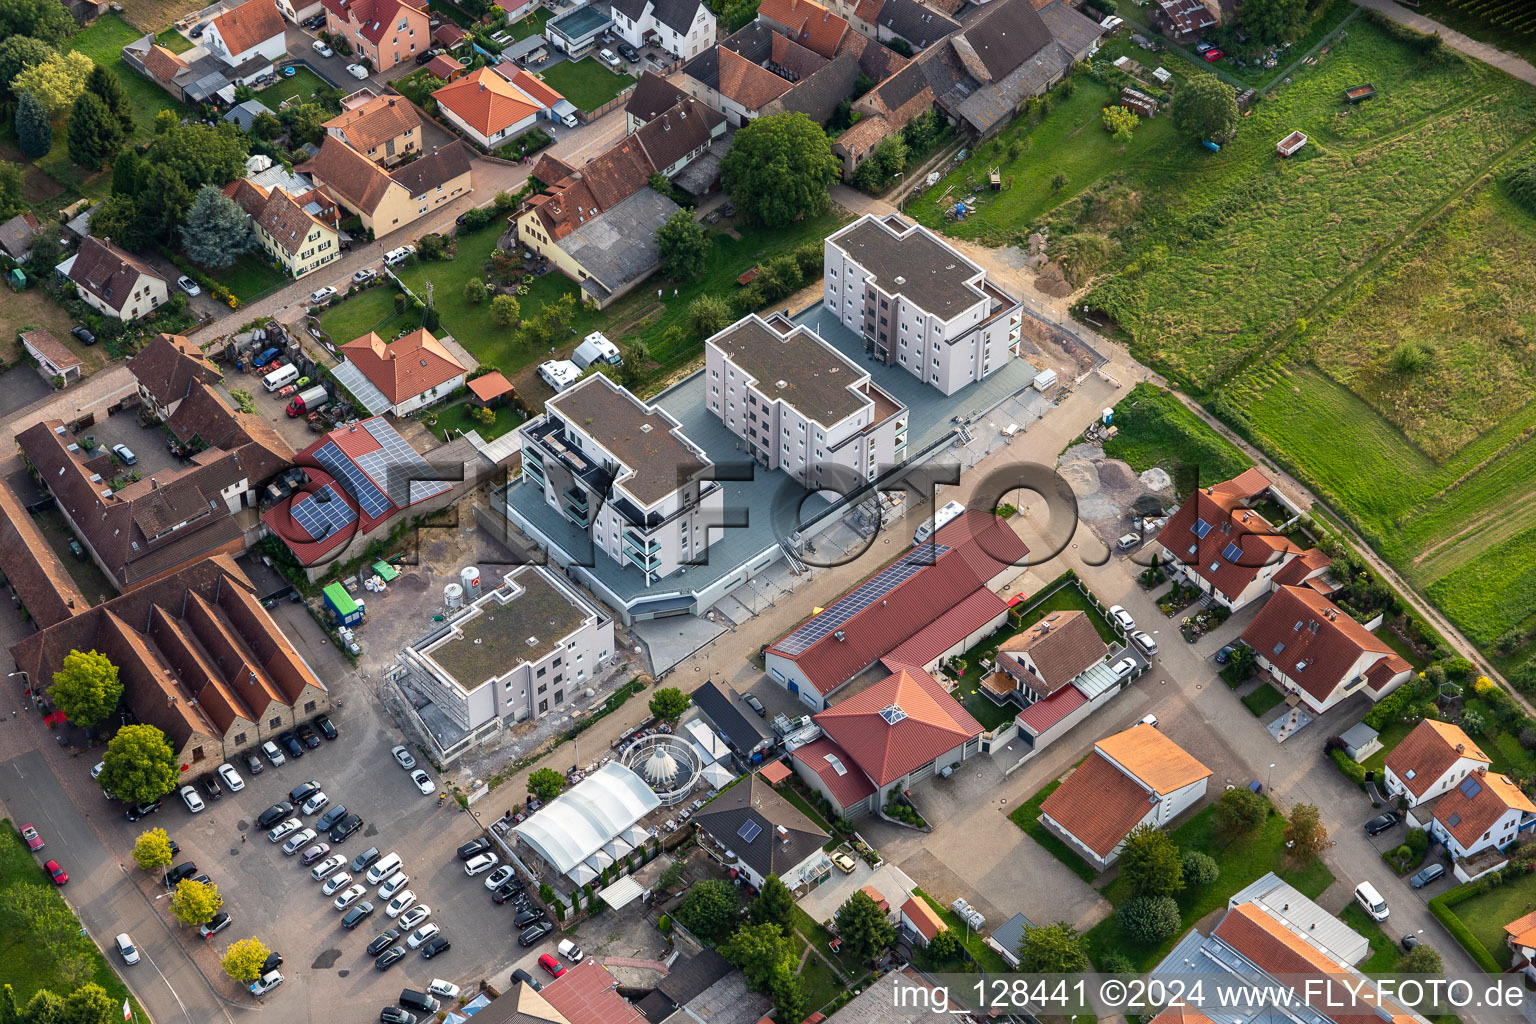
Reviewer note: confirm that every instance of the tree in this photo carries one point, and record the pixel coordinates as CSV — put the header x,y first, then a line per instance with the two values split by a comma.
x,y
196,902
779,168
1150,862
862,926
244,959
683,246
1200,869
152,849
140,764
163,200
305,123
669,703
34,132
44,1007
125,173
760,950
117,218
1421,960
775,905
16,55
1149,919
12,190
475,292
1240,812
216,231
505,310
89,1003
546,784
945,947
709,910
266,126
1053,949
1272,21
106,85
8,1012
709,315
1304,832
889,157
86,687
41,19
57,81
95,133
1205,107
1120,122
790,1002
556,317
197,153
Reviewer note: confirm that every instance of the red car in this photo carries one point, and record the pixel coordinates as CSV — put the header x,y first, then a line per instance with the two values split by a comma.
x,y
552,966
1213,55
34,841
57,873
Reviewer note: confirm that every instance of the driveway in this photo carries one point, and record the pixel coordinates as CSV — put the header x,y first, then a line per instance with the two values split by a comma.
x,y
146,443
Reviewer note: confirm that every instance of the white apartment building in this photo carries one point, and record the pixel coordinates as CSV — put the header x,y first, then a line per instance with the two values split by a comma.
x,y
519,651
624,472
684,28
800,405
918,303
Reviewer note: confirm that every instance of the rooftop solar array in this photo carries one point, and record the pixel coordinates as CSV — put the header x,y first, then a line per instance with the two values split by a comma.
x,y
398,468
323,513
1470,787
1201,528
749,831
866,594
368,497
1232,553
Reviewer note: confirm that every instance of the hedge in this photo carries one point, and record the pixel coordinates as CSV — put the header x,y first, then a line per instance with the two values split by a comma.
x,y
1441,906
1352,769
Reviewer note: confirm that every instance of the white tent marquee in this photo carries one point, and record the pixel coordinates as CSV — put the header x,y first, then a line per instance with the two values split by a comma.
x,y
578,824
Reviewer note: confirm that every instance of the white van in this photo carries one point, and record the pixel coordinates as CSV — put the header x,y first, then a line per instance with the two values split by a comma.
x,y
942,518
280,378
400,255
1371,902
384,868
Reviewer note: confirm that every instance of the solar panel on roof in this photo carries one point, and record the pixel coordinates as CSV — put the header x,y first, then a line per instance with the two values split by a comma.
x,y
369,498
1470,787
1201,528
866,594
397,468
749,831
1232,552
322,513
1453,820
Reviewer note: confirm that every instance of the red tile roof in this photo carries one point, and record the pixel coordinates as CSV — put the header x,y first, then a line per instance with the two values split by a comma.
x,y
371,124
485,101
1523,930
774,772
1099,804
55,351
163,64
888,744
809,24
1429,751
745,83
543,94
948,630
981,547
847,787
492,385
403,369
352,178
1052,652
1474,805
1043,714
250,24
448,34
587,994
923,917
1314,642
41,582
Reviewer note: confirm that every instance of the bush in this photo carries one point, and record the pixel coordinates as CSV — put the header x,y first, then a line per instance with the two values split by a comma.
x,y
432,247
1353,770
475,292
1199,868
1149,919
1116,963
478,218
1417,841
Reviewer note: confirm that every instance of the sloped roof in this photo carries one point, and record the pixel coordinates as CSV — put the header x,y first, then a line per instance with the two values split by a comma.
x,y
923,917
371,124
262,451
677,132
541,92
250,24
485,101
824,757
769,851
1161,764
1099,804
864,136
808,23
40,580
169,365
587,994
43,341
288,222
491,385
1060,647
1313,641
108,272
887,744
651,95
347,174
916,22
438,167
375,17
16,234
247,195
163,64
745,83
1009,34
444,67
1476,803
411,366
1428,752
1523,930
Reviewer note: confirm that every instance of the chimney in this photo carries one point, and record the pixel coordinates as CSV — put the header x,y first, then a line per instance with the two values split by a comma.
x,y
1482,769
154,484
1461,748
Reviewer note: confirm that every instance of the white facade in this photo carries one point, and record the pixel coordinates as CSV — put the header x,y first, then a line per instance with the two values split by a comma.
x,y
801,406
147,294
272,48
431,396
612,465
297,11
1351,681
1504,830
1463,767
648,29
532,680
497,137
918,303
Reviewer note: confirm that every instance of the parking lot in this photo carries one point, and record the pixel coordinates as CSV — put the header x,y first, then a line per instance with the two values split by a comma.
x,y
148,444
328,974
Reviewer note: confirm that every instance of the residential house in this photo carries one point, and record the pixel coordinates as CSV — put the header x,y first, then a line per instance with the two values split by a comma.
x,y
806,22
167,368
921,922
488,107
576,31
516,652
748,70
410,373
385,129
204,421
199,658
298,11
386,32
252,31
1520,936
1046,657
887,109
757,833
651,95
913,22
1485,811
1217,541
55,362
936,600
1314,650
1136,777
299,234
1185,20
679,135
16,235
684,28
113,282
386,201
625,473
244,115
704,987
584,993
1430,760
918,302
40,587
886,739
802,406
723,709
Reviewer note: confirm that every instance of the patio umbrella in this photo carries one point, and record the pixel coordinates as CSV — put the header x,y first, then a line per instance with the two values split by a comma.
x,y
717,775
581,874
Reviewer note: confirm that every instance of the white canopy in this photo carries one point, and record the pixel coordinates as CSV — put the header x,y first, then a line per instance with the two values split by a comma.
x,y
622,893
717,775
710,746
577,824
636,836
581,874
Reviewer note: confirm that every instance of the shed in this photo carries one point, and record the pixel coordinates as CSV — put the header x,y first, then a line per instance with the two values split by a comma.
x,y
1005,938
1360,741
346,611
489,388
1044,380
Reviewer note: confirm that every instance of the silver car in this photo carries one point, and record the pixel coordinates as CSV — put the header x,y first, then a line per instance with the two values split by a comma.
x,y
298,841
349,897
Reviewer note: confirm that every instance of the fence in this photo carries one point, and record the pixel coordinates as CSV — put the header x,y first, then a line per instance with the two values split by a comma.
x,y
588,116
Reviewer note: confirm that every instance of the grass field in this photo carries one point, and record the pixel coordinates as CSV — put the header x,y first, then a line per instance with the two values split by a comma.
x,y
251,277
364,312
1384,951
26,963
531,25
1263,700
1486,914
587,82
1155,429
458,418
303,83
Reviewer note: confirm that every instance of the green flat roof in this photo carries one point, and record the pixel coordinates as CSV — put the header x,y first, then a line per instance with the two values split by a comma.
x,y
339,598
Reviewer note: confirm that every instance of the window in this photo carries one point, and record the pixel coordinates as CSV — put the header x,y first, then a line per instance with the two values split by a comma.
x,y
543,706
197,755
540,674
309,706
276,723
559,696
239,739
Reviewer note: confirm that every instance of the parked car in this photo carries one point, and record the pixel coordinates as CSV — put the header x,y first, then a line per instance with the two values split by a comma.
x,y
435,945
756,705
508,891
1212,56
211,787
266,983
322,49
253,764
323,723
1141,638
423,782
355,916
76,550
1204,46
1122,618
1371,902
533,933
479,863
403,758
383,941
138,811
189,797
125,454
413,917
198,30
125,949
83,336
274,814
1128,541
315,852
357,71
1124,667
527,917
1426,875
473,847
551,965
365,859
350,896
328,820
231,778
388,958
400,255
401,903
58,874
500,876
335,883
1379,824
570,951
364,276
523,976
298,841
608,57
844,863
393,884
273,754
443,989
321,295
32,838
303,791
291,744
284,830
305,734
315,802
1225,654
1410,941
628,52
188,285
326,867
218,923
344,828
395,1015
176,875
421,936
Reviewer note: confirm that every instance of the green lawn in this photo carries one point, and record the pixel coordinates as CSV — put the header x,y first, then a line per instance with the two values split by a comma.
x,y
174,41
532,25
1490,21
1242,862
1486,914
821,984
1155,429
1390,737
587,82
303,83
251,277
819,937
1263,700
988,714
465,322
1384,950
28,964
458,419
1027,817
364,312
987,958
